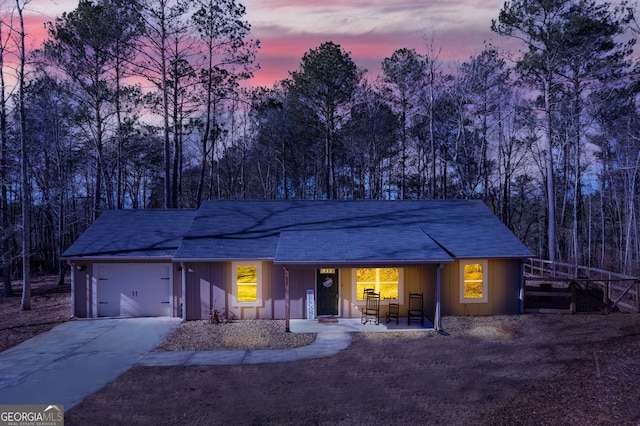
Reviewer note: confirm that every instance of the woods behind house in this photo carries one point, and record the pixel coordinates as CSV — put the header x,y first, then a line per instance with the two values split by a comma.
x,y
145,104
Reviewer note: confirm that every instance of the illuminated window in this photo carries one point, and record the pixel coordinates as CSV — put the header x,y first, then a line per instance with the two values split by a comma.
x,y
247,282
473,281
386,281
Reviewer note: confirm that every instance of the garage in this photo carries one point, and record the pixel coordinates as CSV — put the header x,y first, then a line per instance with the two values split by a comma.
x,y
133,289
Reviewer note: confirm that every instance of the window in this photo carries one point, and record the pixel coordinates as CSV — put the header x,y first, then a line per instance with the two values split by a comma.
x,y
386,281
473,281
247,283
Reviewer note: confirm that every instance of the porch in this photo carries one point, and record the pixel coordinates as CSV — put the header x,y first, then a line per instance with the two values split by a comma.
x,y
354,325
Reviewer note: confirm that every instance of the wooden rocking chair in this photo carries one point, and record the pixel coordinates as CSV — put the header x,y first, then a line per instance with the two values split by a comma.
x,y
393,312
372,307
416,309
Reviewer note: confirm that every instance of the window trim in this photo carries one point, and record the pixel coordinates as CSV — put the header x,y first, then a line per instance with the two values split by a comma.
x,y
485,281
354,290
234,283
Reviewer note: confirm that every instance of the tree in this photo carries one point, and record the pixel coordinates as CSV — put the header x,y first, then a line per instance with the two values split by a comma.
x,y
25,303
431,99
404,74
371,146
485,79
52,154
567,41
326,82
5,37
538,24
83,44
592,58
127,30
229,57
162,24
286,134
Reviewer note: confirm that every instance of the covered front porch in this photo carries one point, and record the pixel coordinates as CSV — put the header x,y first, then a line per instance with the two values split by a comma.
x,y
354,325
332,296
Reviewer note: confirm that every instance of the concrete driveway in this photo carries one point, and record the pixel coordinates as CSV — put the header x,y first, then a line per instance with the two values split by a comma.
x,y
77,358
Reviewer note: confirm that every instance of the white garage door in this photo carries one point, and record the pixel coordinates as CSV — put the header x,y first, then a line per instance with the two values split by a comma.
x,y
134,290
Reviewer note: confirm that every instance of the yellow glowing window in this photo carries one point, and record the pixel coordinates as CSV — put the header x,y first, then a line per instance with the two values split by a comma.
x,y
473,282
385,281
247,283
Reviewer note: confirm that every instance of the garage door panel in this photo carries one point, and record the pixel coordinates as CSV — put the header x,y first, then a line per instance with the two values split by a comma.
x,y
134,290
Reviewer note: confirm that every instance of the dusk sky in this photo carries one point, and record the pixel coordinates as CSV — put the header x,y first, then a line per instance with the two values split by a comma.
x,y
371,30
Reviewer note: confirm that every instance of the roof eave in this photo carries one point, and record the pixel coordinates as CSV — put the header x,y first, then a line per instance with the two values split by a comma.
x,y
215,259
363,262
116,258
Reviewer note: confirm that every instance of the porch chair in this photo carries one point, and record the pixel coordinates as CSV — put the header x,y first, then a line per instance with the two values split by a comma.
x,y
416,310
393,312
372,308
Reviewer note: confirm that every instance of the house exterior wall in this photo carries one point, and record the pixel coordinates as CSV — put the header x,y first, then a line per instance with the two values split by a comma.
x,y
503,289
209,286
81,280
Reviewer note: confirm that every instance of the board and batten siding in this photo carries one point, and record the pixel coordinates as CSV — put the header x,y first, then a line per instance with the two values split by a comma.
x,y
210,286
503,289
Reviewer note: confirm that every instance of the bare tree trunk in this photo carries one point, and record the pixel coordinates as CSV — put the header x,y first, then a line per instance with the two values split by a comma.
x,y
551,200
120,135
25,304
4,152
165,107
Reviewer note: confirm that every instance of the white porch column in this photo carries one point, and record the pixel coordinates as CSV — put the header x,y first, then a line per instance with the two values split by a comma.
x,y
436,317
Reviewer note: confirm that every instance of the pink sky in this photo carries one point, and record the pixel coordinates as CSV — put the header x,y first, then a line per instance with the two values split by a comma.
x,y
370,29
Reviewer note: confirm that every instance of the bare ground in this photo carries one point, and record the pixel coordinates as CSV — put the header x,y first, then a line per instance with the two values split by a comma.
x,y
50,306
517,370
514,370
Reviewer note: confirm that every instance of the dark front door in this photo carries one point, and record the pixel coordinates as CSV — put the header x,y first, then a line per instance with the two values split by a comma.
x,y
327,291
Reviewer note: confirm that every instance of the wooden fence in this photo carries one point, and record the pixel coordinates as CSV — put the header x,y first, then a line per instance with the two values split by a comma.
x,y
556,287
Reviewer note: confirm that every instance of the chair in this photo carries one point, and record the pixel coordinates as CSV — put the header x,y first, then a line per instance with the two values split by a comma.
x,y
372,307
393,312
416,310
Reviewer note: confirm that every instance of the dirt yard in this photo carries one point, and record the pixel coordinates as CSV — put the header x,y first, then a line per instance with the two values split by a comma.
x,y
514,370
50,306
518,370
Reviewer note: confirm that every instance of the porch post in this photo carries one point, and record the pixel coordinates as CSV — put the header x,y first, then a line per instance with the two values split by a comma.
x,y
522,286
73,289
287,300
436,317
184,291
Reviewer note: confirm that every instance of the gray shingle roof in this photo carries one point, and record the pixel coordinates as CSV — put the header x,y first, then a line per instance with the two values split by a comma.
x,y
304,232
348,231
133,234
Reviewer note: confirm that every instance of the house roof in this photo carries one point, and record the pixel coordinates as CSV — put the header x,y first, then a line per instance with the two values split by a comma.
x,y
304,232
308,232
133,234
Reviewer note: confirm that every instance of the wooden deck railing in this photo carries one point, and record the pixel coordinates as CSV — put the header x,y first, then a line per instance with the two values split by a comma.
x,y
545,279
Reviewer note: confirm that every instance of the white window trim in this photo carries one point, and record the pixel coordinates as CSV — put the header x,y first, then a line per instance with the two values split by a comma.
x,y
354,290
485,280
234,283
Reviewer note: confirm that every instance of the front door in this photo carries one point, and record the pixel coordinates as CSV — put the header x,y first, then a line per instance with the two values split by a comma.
x,y
327,291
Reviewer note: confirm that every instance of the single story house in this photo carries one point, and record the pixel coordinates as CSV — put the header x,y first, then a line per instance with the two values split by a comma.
x,y
297,259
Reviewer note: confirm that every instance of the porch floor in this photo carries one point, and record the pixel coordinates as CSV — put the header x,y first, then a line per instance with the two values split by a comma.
x,y
353,325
